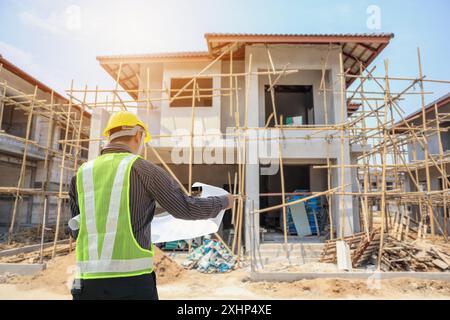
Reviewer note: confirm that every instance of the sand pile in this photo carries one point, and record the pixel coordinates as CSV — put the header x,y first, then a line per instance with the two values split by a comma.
x,y
57,277
60,272
166,269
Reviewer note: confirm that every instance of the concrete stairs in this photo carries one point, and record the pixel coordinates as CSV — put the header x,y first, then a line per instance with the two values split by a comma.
x,y
292,253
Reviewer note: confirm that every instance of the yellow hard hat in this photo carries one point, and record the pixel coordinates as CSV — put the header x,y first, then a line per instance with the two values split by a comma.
x,y
125,119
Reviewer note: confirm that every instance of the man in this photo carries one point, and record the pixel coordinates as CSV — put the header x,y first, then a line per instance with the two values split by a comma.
x,y
115,196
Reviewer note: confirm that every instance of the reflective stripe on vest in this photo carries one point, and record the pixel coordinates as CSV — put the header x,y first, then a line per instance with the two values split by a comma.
x,y
105,263
114,265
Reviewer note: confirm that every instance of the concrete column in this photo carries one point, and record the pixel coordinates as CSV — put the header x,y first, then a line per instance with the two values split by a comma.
x,y
99,120
252,185
252,167
354,177
344,206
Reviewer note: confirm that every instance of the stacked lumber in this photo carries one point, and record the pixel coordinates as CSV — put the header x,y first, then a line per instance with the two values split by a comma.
x,y
329,250
368,247
402,256
406,228
397,255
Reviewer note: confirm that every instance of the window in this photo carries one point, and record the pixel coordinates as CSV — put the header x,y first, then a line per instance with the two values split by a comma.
x,y
422,186
62,136
204,87
14,122
445,136
294,102
374,186
441,184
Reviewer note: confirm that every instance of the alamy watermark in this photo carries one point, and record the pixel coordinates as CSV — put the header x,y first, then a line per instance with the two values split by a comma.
x,y
236,146
373,21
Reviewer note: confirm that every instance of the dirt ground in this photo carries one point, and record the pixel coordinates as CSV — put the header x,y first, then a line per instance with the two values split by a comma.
x,y
176,283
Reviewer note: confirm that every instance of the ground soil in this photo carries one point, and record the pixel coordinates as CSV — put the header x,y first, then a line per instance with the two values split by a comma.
x,y
176,283
59,274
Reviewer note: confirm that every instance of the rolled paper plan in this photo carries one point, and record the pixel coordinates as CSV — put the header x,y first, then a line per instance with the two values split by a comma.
x,y
74,223
167,228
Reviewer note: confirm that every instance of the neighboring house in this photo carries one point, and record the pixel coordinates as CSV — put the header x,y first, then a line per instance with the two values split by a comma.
x,y
16,91
297,95
416,152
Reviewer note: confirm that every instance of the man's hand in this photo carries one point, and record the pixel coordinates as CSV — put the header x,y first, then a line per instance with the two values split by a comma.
x,y
230,201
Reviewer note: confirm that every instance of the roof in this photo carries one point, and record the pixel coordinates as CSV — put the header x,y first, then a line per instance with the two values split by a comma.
x,y
158,56
440,102
356,48
8,65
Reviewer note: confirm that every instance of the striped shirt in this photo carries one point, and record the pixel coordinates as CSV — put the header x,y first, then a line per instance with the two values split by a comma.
x,y
150,183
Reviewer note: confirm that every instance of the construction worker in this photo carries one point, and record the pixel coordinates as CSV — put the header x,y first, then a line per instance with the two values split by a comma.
x,y
115,196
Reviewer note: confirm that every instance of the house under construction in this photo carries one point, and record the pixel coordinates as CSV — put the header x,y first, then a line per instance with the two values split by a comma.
x,y
35,166
297,126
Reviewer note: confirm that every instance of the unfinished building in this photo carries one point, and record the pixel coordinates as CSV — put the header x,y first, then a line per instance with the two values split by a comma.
x,y
34,177
259,82
431,178
311,141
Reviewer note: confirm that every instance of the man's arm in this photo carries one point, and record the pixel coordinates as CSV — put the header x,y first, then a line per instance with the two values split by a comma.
x,y
166,191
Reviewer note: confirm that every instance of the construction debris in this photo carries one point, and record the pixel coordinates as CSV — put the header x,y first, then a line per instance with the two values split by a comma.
x,y
329,250
210,257
397,255
402,256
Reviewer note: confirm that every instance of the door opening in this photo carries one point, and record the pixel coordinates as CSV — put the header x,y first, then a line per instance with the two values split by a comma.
x,y
293,102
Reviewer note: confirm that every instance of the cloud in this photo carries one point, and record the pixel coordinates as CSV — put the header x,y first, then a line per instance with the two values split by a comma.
x,y
57,23
51,24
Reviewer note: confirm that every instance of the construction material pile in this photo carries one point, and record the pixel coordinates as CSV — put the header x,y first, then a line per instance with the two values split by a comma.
x,y
402,256
210,257
397,255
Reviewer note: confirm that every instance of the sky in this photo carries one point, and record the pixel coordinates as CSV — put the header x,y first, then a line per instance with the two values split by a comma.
x,y
57,41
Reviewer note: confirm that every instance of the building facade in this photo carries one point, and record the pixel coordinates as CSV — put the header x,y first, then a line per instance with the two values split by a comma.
x,y
304,72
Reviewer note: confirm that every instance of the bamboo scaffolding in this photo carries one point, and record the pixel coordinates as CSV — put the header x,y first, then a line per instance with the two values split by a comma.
x,y
22,168
383,158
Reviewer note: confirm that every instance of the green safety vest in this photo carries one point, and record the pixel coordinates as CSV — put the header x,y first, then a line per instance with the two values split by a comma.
x,y
106,246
